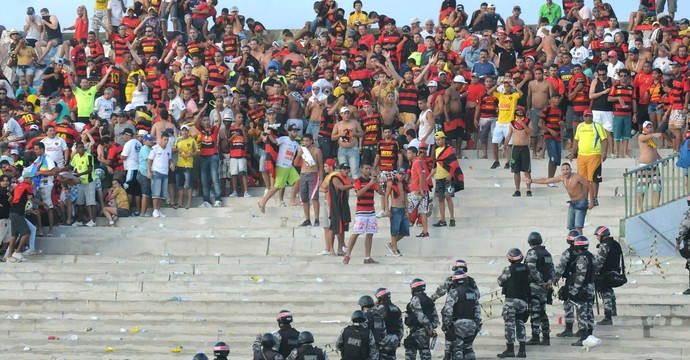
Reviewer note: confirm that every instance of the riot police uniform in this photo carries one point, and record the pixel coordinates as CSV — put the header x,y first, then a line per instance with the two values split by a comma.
x,y
286,336
421,319
609,257
305,349
581,287
515,283
540,265
683,242
448,282
268,341
392,316
221,351
356,341
562,271
462,318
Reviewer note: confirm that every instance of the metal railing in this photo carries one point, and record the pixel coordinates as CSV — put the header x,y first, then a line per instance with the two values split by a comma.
x,y
654,185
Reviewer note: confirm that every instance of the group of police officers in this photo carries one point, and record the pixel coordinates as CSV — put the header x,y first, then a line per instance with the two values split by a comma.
x,y
377,328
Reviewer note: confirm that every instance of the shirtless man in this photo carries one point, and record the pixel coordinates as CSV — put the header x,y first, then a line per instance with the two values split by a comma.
x,y
158,128
395,206
520,131
314,110
538,93
453,111
514,20
348,133
650,176
548,45
388,109
577,187
310,178
295,108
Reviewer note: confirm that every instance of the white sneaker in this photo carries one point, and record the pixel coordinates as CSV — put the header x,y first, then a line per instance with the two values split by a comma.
x,y
551,185
344,249
205,204
323,253
91,223
18,256
156,213
77,223
234,194
160,213
217,204
381,214
246,194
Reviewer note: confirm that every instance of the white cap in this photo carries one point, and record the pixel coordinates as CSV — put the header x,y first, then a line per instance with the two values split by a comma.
x,y
344,109
129,107
459,79
356,83
608,39
250,68
414,20
234,9
646,123
491,6
432,83
142,132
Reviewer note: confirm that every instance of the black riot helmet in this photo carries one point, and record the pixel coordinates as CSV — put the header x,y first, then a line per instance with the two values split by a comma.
x,y
460,264
305,337
200,356
417,285
581,243
221,349
268,340
383,294
366,301
602,231
514,255
358,316
572,234
534,238
284,317
459,277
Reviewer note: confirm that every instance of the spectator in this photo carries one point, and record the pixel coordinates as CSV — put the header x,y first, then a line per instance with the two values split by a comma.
x,y
551,11
159,163
118,204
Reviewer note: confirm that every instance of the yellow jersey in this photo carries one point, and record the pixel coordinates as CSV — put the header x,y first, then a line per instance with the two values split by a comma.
x,y
589,138
506,106
185,146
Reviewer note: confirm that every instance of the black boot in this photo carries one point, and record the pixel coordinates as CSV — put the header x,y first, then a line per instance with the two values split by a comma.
x,y
509,353
534,340
545,340
521,351
607,319
582,338
468,354
568,332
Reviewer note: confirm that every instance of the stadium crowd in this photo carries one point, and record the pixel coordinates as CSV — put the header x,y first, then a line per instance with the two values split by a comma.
x,y
151,103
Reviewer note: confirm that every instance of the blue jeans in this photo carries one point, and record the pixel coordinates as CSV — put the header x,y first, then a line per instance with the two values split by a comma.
x,y
313,129
32,237
400,225
316,23
553,148
159,186
576,213
350,156
327,147
209,168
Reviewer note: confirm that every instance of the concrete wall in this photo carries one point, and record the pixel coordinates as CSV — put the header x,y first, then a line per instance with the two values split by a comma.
x,y
662,222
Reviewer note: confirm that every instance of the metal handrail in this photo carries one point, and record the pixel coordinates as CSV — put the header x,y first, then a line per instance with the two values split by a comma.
x,y
654,185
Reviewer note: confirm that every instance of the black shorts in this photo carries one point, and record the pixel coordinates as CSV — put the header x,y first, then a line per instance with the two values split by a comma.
x,y
133,187
19,226
520,159
444,188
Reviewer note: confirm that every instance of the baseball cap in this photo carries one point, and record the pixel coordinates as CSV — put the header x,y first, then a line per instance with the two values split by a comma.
x,y
142,132
517,28
344,166
587,112
366,102
184,127
228,117
127,131
508,40
34,127
270,111
330,162
439,135
423,145
608,39
356,83
459,79
475,75
14,152
344,109
59,61
613,53
684,21
94,115
149,137
414,20
520,110
176,63
345,80
55,94
432,83
234,9
14,31
151,8
633,50
442,73
491,6
292,127
646,123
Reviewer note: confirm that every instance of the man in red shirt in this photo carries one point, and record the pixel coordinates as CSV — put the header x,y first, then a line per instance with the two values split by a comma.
x,y
200,15
417,198
365,214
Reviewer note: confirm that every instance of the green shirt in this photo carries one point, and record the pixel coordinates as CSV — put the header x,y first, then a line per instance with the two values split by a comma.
x,y
81,164
85,100
552,13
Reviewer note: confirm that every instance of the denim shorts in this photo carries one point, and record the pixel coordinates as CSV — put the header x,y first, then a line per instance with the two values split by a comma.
x,y
553,149
400,224
183,178
652,109
159,186
576,213
145,184
622,126
25,70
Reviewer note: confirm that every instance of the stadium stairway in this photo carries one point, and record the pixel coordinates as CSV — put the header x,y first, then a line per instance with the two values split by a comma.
x,y
148,287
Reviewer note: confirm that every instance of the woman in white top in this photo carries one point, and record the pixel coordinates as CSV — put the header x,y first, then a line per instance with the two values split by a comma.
x,y
141,93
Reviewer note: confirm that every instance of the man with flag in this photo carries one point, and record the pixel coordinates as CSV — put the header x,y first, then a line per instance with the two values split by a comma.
x,y
449,178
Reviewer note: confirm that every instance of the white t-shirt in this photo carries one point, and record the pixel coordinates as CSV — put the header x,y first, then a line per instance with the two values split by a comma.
x,y
612,70
139,97
579,54
13,127
117,11
131,151
287,151
160,159
32,33
55,148
176,107
104,107
46,164
214,118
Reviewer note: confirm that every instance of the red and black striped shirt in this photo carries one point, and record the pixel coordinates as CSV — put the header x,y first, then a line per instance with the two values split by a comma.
x,y
488,107
216,76
626,92
388,155
407,98
365,202
372,129
231,44
552,118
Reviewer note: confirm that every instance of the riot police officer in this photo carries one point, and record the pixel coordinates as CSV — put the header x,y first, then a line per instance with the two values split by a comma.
x,y
286,336
305,349
581,289
422,319
562,271
683,242
515,283
200,356
462,317
609,257
221,351
448,283
541,275
268,342
374,321
392,316
356,341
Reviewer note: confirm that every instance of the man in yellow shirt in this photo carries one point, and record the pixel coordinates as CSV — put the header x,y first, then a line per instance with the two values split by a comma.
x,y
357,16
507,101
186,148
590,148
444,190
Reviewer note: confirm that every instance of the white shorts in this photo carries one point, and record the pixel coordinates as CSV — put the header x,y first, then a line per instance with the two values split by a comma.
x,y
238,166
604,118
46,195
365,224
500,133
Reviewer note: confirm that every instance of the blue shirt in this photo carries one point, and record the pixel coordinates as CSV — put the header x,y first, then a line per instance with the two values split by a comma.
x,y
143,160
488,69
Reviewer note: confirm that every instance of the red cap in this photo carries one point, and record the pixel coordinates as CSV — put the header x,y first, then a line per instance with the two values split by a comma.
x,y
587,112
258,28
366,102
330,162
516,28
423,145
